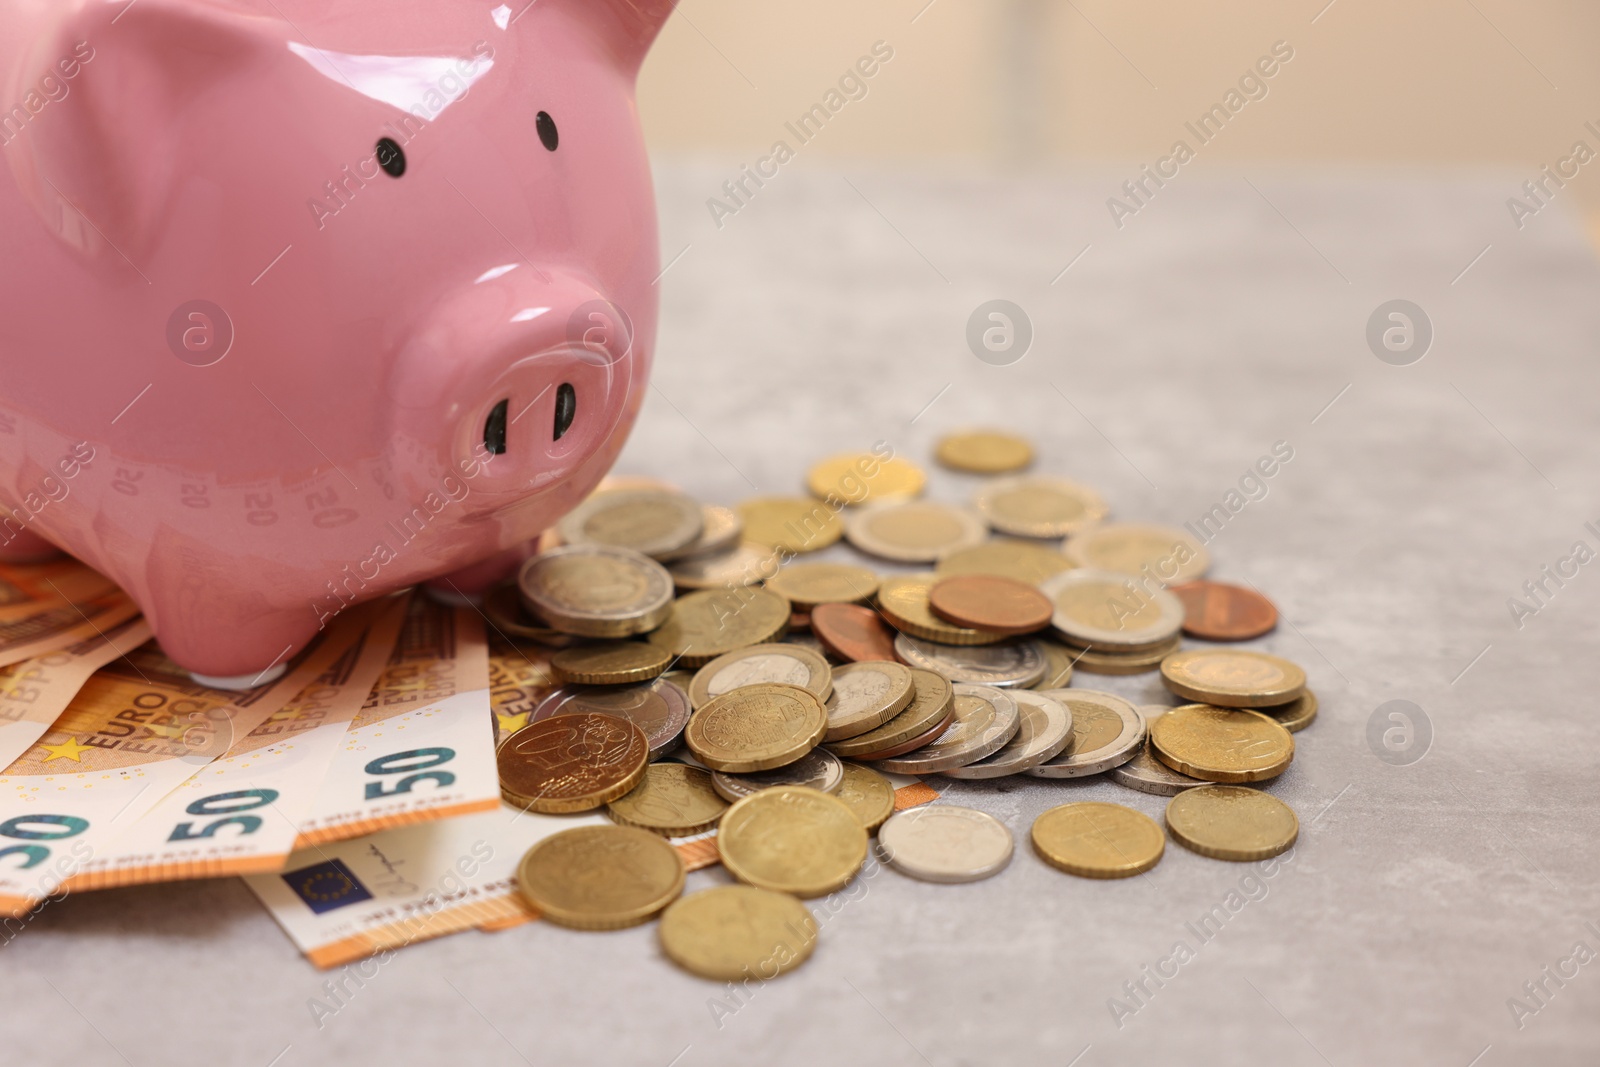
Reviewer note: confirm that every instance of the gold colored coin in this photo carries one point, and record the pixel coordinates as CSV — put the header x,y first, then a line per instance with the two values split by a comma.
x,y
869,794
1295,715
1059,662
1093,662
859,477
706,623
984,452
1232,678
744,564
805,585
652,521
792,839
1035,506
600,877
1096,840
932,702
903,600
674,800
1231,822
736,932
596,590
1021,560
915,532
1221,744
1164,554
782,663
756,728
610,664
795,524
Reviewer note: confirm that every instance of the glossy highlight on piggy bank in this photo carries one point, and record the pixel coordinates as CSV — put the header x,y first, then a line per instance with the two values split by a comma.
x,y
314,300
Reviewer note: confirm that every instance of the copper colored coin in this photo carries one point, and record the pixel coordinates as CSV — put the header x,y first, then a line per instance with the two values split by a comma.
x,y
989,602
853,632
799,620
1218,611
926,738
572,762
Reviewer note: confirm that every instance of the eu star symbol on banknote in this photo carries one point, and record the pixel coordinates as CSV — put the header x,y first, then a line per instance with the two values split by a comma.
x,y
326,886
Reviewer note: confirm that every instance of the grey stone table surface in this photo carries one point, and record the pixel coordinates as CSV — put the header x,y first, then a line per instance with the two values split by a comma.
x,y
1228,315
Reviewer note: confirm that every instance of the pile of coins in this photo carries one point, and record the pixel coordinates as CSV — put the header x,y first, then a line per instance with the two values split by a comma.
x,y
712,680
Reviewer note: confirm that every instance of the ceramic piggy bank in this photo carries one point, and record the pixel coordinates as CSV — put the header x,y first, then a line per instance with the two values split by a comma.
x,y
303,301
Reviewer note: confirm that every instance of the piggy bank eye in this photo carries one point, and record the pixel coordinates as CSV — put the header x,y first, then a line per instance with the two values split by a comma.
x,y
390,158
548,135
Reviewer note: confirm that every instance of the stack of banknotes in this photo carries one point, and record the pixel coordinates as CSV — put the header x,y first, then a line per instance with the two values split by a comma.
x,y
357,793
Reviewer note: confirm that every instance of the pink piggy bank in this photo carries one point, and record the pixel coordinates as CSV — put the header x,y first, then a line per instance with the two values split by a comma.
x,y
305,301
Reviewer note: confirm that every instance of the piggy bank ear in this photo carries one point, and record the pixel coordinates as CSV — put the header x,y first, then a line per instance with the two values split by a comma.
x,y
101,159
627,27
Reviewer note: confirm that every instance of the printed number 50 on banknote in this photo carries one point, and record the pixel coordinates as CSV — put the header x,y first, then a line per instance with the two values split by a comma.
x,y
423,746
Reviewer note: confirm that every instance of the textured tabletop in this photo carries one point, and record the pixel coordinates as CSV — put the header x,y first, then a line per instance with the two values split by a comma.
x,y
1227,315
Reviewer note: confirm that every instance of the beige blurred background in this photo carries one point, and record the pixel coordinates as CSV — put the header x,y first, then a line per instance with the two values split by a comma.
x,y
1417,84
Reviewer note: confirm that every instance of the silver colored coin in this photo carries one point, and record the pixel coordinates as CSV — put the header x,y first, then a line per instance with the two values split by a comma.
x,y
596,590
1045,730
917,531
1146,773
1006,665
720,530
818,769
655,522
865,696
1109,612
945,843
785,664
658,707
1107,732
986,718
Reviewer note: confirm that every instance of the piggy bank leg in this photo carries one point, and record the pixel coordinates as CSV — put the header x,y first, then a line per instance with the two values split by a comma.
x,y
226,648
467,586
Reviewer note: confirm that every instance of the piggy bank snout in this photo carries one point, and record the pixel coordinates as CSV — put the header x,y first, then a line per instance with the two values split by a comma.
x,y
524,379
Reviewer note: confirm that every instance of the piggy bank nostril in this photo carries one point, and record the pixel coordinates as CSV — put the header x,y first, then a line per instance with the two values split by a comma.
x,y
566,409
494,428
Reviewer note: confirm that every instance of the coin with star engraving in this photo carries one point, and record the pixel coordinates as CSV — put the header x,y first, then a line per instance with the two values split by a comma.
x,y
793,840
756,728
865,696
596,590
930,712
673,800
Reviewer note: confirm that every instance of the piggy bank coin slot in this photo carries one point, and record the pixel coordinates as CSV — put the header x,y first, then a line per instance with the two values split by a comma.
x,y
391,158
494,428
566,410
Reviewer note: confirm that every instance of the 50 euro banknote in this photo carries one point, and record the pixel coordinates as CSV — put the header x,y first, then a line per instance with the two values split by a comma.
x,y
34,692
241,812
45,607
138,728
422,746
